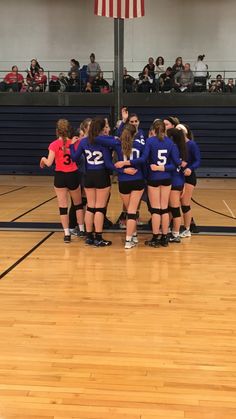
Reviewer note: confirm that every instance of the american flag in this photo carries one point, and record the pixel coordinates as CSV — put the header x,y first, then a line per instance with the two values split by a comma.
x,y
119,8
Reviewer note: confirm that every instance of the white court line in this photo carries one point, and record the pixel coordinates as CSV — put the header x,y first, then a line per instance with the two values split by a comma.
x,y
228,208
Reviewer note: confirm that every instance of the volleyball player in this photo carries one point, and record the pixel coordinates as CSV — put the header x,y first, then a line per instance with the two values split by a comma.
x,y
66,179
177,184
171,122
189,167
162,156
96,181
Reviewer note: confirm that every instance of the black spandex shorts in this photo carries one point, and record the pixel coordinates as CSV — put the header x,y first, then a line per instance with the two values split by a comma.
x,y
192,179
98,179
69,180
177,188
130,186
161,182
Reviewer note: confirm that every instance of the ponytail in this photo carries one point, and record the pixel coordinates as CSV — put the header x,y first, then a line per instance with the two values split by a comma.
x,y
95,128
127,138
63,130
160,130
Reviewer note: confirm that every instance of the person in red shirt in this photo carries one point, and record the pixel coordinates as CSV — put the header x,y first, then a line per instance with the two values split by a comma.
x,y
39,82
12,81
66,180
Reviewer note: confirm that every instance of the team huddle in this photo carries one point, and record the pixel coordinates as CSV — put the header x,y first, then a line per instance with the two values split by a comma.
x,y
159,169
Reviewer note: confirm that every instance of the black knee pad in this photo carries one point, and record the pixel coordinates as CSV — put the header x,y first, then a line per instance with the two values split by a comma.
x,y
155,211
102,210
63,210
78,207
132,216
185,208
90,209
84,201
164,211
175,211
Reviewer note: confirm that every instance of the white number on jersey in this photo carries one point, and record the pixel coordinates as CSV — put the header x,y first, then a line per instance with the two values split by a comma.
x,y
95,157
161,158
135,154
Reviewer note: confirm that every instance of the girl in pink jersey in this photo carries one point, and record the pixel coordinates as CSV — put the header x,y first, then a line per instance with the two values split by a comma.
x,y
66,179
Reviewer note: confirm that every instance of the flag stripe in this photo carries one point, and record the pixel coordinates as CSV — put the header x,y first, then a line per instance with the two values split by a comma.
x,y
142,8
111,9
125,9
104,8
96,7
135,9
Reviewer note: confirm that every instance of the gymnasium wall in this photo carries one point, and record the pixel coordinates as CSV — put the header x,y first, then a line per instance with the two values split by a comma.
x,y
55,31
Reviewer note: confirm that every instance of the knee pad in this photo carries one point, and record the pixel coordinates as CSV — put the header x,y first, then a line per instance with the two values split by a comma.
x,y
185,208
132,216
84,201
63,210
164,211
78,207
175,211
102,210
90,209
155,211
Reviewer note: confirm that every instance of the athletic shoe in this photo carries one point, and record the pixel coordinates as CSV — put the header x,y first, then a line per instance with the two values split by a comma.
x,y
129,244
75,231
153,242
174,239
107,223
185,233
102,243
135,239
164,241
67,239
89,241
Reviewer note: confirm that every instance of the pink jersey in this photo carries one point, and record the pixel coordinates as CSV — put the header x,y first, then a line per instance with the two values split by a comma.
x,y
62,157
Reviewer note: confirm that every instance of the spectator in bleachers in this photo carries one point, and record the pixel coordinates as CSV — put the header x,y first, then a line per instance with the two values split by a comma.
x,y
74,67
230,86
160,66
74,84
166,81
145,83
178,66
100,84
93,68
31,71
88,87
218,85
13,81
39,82
200,74
184,79
128,82
151,67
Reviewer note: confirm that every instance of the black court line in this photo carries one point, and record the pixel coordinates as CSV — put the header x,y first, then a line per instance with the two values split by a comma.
x,y
4,273
13,190
32,209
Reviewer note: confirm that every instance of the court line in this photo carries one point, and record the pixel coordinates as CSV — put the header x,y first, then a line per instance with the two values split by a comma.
x,y
32,209
4,273
228,208
13,190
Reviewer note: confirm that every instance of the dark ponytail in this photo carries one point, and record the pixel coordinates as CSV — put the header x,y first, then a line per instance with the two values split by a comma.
x,y
96,126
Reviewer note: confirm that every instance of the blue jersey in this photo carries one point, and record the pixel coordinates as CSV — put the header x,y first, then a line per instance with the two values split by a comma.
x,y
136,152
96,156
139,134
162,153
193,155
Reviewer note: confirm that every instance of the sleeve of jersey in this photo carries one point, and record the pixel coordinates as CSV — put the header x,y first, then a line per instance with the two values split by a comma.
x,y
196,156
144,157
108,161
174,159
53,146
120,129
108,141
76,154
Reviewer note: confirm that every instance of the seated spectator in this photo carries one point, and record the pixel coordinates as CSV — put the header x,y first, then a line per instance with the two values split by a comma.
x,y
39,82
200,74
12,82
93,68
74,67
88,87
218,85
100,84
74,84
230,86
178,66
184,79
166,81
160,66
31,71
151,68
145,83
128,82
63,82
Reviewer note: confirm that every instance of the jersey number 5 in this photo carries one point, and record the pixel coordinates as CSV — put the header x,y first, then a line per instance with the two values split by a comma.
x,y
161,158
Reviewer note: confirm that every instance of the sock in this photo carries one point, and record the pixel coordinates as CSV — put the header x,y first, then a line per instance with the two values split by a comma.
x,y
81,227
155,236
98,236
67,231
175,233
135,234
128,238
90,235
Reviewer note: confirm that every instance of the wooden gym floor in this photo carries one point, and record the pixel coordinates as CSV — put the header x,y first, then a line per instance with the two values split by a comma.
x,y
91,333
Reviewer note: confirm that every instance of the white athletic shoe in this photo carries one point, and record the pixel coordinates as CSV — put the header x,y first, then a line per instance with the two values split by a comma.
x,y
135,239
185,233
129,244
